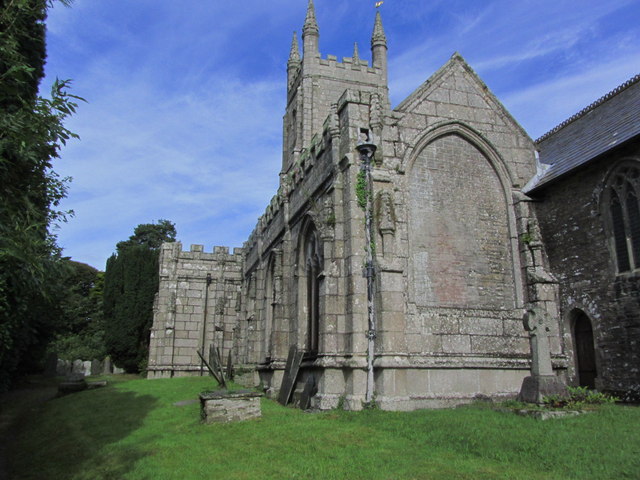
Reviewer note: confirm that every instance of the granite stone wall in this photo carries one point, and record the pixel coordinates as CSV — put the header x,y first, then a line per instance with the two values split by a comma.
x,y
191,312
574,226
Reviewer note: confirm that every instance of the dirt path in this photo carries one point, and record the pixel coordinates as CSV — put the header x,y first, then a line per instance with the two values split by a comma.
x,y
17,405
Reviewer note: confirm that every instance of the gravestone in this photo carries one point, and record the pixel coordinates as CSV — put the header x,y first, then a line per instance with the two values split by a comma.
x,y
542,381
63,368
96,367
107,366
290,374
77,367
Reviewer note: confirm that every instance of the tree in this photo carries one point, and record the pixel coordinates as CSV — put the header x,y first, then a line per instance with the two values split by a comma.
x,y
80,330
31,134
150,235
130,284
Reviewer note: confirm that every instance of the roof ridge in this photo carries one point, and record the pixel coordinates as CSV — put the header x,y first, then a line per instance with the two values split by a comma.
x,y
590,107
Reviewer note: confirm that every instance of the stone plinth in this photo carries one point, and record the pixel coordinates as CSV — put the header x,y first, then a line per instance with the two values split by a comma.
x,y
536,387
223,406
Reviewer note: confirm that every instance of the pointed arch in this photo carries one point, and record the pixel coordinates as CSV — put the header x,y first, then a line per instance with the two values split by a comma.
x,y
462,224
584,352
269,306
620,208
310,263
472,136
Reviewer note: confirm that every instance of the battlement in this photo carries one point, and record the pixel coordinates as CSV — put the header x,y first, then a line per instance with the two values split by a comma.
x,y
174,249
350,69
330,66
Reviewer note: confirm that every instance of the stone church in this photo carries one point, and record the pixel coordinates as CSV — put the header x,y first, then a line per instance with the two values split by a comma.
x,y
404,245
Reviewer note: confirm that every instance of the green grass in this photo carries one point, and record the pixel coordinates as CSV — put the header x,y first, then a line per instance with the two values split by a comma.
x,y
132,430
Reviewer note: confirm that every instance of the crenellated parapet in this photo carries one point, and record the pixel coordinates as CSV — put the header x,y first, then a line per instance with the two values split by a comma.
x,y
196,306
313,73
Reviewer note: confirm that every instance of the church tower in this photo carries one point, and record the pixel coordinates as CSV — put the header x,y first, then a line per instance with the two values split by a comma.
x,y
314,84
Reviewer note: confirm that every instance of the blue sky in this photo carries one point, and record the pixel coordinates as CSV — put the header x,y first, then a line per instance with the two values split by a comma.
x,y
185,98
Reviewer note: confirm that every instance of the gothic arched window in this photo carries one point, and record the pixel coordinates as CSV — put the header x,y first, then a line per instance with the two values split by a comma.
x,y
622,191
313,269
269,308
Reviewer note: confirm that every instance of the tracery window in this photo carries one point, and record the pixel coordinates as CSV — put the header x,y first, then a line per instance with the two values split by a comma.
x,y
313,269
624,212
269,308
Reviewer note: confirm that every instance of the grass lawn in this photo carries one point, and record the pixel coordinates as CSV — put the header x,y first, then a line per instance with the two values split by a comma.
x,y
131,430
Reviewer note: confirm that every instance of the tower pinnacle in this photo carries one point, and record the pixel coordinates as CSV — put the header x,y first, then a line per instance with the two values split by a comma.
x,y
294,53
378,37
310,23
379,46
310,34
293,65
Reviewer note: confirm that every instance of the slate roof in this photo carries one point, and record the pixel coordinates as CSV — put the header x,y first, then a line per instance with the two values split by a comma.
x,y
606,123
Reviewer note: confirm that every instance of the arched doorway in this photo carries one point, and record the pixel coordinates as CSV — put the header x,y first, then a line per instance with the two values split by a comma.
x,y
584,350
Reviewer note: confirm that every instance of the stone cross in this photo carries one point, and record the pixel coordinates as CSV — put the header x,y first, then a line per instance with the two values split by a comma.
x,y
536,322
542,381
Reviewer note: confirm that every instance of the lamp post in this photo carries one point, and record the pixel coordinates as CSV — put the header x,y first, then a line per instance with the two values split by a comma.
x,y
366,151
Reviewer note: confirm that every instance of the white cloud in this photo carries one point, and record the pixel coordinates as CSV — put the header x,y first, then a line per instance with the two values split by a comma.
x,y
186,98
562,97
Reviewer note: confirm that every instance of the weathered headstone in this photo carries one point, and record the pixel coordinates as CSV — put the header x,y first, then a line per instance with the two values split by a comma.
x,y
290,374
107,366
77,367
542,381
86,368
216,364
96,367
63,368
215,372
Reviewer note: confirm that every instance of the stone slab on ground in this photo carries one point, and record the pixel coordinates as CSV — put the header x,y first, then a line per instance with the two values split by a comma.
x,y
543,414
74,382
223,406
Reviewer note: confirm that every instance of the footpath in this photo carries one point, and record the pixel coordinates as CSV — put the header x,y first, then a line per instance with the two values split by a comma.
x,y
16,406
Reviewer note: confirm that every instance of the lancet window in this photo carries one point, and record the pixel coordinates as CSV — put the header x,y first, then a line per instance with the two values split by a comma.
x,y
313,270
623,191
